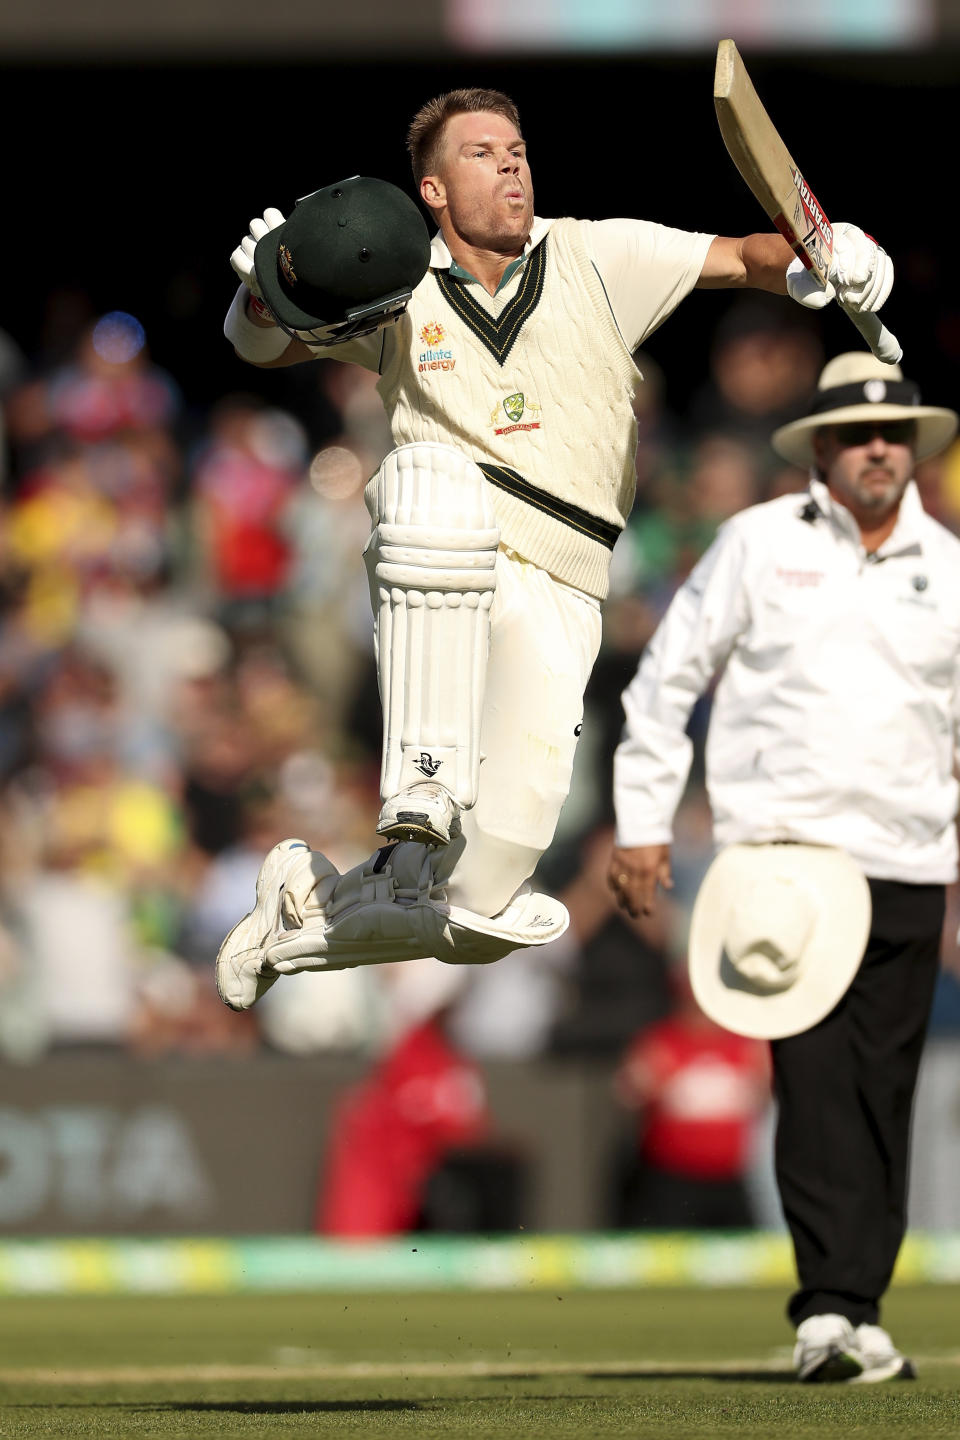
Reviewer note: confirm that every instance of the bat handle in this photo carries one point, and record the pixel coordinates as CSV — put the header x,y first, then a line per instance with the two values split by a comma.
x,y
882,342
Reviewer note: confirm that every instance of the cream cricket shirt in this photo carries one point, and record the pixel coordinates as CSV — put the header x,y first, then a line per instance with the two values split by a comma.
x,y
537,383
835,720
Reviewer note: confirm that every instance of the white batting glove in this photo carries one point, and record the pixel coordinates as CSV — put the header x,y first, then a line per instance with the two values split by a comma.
x,y
242,257
860,278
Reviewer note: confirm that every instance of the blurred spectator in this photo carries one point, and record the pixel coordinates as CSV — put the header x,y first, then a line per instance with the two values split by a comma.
x,y
657,427
325,622
698,1093
326,614
246,471
679,515
77,930
391,1132
764,362
107,386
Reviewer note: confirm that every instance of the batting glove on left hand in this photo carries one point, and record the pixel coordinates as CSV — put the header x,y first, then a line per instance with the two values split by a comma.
x,y
242,257
860,278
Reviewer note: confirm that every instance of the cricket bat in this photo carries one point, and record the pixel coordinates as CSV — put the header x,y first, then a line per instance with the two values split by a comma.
x,y
767,166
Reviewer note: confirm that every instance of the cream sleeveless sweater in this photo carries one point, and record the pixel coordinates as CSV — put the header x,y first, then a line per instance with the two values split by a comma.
x,y
540,397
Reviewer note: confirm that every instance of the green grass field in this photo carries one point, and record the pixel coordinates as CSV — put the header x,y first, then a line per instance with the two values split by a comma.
x,y
635,1363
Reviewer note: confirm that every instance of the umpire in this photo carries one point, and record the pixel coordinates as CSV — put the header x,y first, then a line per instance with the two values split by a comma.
x,y
834,618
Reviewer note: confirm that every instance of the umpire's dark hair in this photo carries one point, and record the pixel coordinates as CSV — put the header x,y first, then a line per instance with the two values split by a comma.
x,y
425,135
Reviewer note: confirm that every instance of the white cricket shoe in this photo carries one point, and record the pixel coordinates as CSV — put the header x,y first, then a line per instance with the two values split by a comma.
x,y
826,1349
880,1358
426,813
243,974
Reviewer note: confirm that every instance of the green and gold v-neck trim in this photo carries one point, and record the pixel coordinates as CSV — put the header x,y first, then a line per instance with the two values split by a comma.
x,y
498,335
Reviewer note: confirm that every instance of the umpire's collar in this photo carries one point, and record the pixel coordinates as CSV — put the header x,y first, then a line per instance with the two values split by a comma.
x,y
907,534
441,259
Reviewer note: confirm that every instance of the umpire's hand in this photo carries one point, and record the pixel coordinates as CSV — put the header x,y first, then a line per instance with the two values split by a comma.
x,y
634,875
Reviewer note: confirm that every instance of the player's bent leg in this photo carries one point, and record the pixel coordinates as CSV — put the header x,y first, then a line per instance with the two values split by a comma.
x,y
469,902
431,560
545,637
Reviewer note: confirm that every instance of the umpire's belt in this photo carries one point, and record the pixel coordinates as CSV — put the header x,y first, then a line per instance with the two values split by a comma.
x,y
572,515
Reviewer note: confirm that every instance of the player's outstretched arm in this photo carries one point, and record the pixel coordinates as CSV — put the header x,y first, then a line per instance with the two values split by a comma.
x,y
751,262
860,277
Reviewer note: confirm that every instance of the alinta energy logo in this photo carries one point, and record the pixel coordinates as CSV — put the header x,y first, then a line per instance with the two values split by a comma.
x,y
515,407
435,356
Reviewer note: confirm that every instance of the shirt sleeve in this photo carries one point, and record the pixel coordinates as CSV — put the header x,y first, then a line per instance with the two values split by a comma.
x,y
692,642
646,270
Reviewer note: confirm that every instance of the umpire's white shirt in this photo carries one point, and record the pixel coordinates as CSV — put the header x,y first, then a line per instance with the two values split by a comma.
x,y
835,719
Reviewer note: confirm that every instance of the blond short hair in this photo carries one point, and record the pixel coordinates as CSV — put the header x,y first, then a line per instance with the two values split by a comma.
x,y
425,135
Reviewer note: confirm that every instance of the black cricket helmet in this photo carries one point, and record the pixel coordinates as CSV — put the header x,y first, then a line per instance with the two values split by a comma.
x,y
345,262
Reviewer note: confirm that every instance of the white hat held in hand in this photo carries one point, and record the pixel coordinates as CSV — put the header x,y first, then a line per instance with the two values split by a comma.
x,y
776,936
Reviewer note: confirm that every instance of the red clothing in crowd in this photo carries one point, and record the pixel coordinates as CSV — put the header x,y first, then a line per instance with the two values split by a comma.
x,y
700,1090
391,1132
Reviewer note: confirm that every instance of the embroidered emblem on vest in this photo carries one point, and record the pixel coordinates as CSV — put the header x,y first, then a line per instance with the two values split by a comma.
x,y
498,335
514,407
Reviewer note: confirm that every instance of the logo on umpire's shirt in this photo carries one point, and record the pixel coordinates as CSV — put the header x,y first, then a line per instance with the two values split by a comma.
x,y
919,593
426,764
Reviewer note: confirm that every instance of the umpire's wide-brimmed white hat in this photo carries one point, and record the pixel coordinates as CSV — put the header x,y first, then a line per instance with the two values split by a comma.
x,y
857,387
776,936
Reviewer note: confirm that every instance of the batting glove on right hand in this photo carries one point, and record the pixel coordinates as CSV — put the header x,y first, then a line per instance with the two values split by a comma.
x,y
860,278
242,257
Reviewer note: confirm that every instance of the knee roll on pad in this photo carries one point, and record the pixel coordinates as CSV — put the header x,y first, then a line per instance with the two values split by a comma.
x,y
434,552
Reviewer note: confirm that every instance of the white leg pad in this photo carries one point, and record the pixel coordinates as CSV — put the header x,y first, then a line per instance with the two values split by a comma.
x,y
395,908
433,553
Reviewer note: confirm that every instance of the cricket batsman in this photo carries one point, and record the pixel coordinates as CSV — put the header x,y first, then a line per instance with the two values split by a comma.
x,y
504,350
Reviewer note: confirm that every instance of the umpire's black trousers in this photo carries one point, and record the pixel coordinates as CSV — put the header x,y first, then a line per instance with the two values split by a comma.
x,y
844,1093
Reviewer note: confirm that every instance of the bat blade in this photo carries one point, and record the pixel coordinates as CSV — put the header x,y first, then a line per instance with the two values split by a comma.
x,y
764,162
755,146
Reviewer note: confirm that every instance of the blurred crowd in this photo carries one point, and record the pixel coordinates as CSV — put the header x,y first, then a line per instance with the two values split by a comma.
x,y
187,676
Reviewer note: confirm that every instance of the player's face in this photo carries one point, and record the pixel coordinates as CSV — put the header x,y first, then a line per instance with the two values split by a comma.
x,y
483,189
867,466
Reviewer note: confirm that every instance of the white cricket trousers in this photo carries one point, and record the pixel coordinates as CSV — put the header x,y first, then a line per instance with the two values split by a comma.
x,y
545,636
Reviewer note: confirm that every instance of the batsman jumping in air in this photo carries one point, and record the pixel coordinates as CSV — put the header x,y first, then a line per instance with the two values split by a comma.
x,y
504,349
